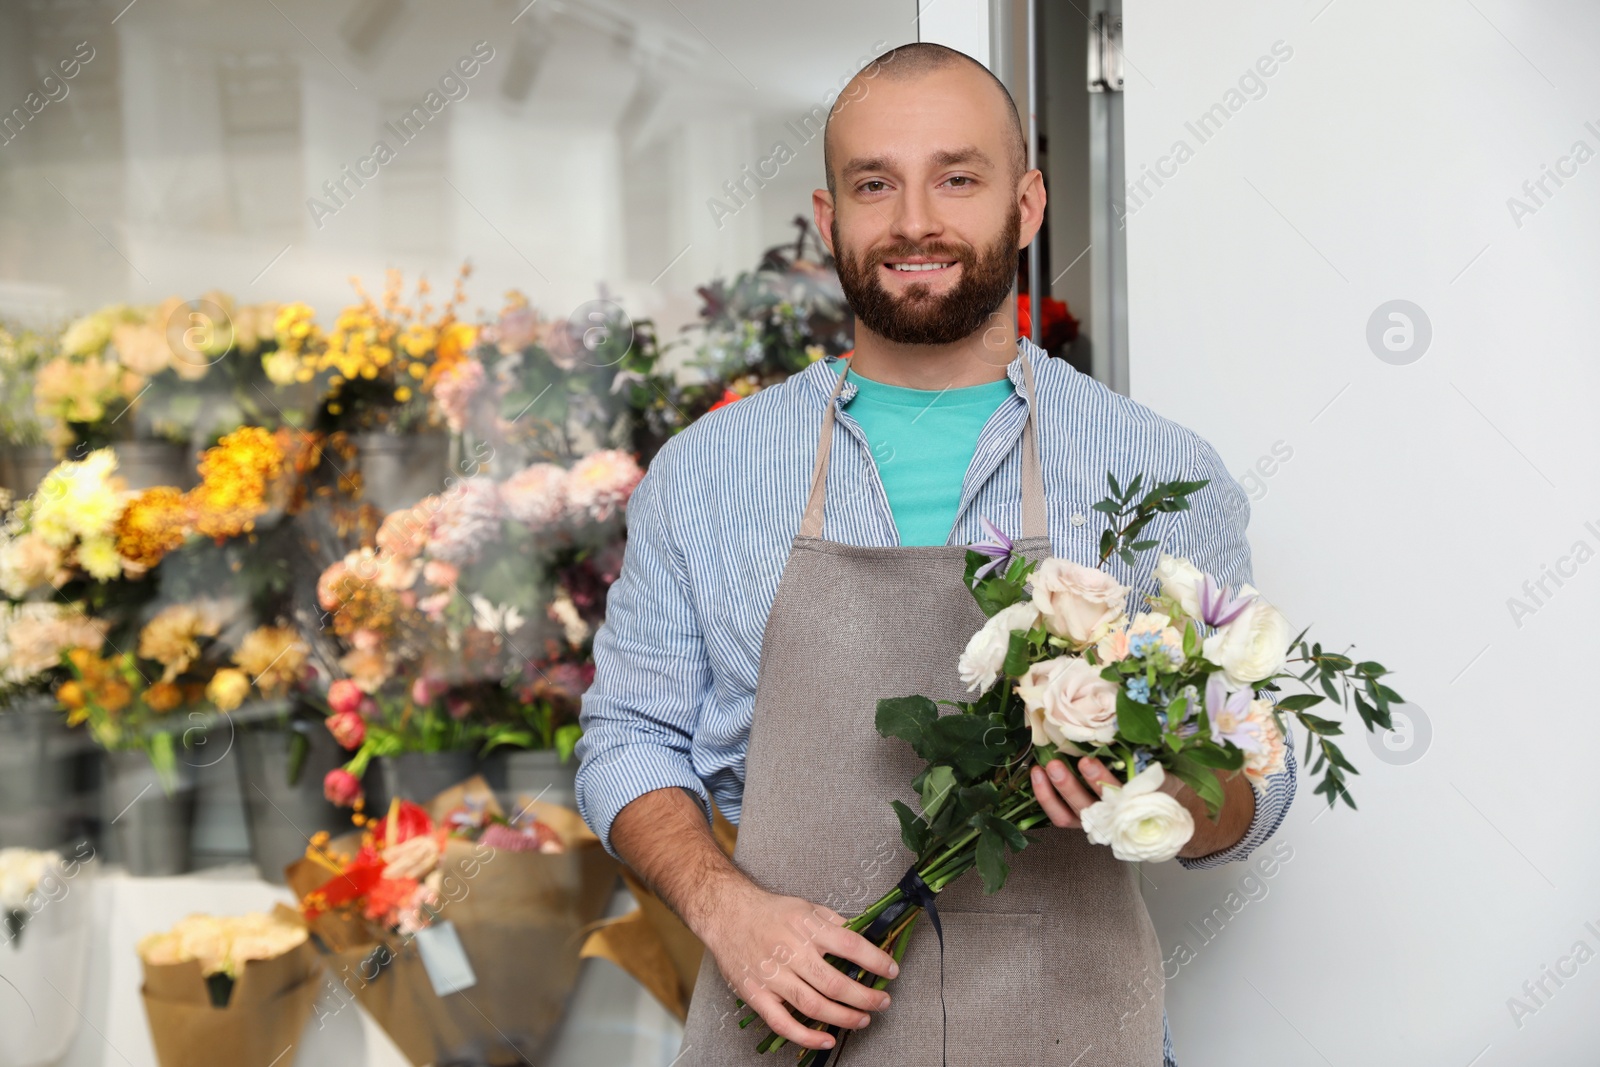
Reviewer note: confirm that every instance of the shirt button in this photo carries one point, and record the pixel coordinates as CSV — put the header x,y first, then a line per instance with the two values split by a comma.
x,y
1078,519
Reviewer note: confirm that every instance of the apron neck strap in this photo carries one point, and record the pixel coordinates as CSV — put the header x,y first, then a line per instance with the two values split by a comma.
x,y
1034,520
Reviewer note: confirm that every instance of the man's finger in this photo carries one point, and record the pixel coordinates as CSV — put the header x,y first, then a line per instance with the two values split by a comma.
x,y
1068,785
777,1015
831,982
1097,774
1054,807
849,945
797,991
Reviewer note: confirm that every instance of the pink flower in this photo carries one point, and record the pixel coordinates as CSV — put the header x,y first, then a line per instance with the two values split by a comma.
x,y
425,690
459,707
403,532
455,391
341,787
601,482
348,728
438,572
344,695
535,496
468,518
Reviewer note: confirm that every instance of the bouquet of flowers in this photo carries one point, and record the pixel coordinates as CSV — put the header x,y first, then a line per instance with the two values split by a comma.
x,y
229,989
1062,668
453,924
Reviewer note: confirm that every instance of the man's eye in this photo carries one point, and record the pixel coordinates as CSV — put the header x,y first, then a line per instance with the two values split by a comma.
x,y
960,178
866,185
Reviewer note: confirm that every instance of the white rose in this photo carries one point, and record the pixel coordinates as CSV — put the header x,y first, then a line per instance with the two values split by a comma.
x,y
1077,602
1066,700
1180,580
985,654
1138,821
1254,646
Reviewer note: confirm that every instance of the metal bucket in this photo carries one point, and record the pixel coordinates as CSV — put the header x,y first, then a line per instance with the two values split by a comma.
x,y
540,774
150,830
397,470
421,776
36,776
283,815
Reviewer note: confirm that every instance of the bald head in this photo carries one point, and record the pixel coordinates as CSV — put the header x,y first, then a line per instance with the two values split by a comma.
x,y
915,61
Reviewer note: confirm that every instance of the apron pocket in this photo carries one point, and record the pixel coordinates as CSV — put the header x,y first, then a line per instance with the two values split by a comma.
x,y
993,992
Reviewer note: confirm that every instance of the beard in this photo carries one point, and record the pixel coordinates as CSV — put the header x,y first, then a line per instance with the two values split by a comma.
x,y
918,316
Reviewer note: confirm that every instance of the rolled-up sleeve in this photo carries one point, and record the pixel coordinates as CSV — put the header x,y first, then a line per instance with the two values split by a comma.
x,y
651,672
1211,535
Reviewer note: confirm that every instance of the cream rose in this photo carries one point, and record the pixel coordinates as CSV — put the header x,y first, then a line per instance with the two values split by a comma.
x,y
1252,647
1180,580
986,653
1077,602
1138,821
1066,700
1269,757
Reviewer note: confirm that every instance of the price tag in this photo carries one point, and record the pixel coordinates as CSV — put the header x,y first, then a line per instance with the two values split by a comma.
x,y
444,959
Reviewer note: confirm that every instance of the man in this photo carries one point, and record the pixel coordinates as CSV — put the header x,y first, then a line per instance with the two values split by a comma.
x,y
779,579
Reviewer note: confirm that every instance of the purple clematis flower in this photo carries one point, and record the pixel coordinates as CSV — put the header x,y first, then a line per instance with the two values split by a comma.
x,y
1227,715
995,544
1218,605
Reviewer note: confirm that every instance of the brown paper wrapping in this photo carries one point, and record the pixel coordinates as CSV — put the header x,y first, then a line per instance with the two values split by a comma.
x,y
518,915
261,1025
652,943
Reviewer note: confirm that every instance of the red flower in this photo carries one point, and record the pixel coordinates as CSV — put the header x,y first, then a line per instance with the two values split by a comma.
x,y
344,695
1060,328
405,819
728,397
341,787
348,728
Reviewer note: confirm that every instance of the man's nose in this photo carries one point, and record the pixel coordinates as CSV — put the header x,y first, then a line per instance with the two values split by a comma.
x,y
915,217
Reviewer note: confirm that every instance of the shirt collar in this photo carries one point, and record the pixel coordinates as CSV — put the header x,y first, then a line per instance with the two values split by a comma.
x,y
825,372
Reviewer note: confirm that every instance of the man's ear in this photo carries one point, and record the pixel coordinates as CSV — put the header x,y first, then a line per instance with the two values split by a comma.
x,y
822,214
1030,202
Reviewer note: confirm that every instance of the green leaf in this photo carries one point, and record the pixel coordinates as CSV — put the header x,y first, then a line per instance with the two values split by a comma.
x,y
1137,722
1007,831
1116,490
299,747
913,830
1320,725
1017,659
909,719
567,740
1299,702
937,786
1230,758
991,856
1201,779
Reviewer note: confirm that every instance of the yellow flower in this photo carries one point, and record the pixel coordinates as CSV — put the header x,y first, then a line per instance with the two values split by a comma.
x,y
282,367
274,656
77,500
98,556
228,688
162,697
403,393
154,523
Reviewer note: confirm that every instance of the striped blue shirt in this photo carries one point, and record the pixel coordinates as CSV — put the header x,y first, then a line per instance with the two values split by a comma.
x,y
711,524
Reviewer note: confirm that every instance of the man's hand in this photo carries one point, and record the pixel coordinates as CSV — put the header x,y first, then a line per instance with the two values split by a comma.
x,y
1063,798
769,947
770,950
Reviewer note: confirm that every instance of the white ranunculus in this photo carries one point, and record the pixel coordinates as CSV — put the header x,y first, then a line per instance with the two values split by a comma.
x,y
1066,700
985,654
1079,603
1180,580
1138,821
1254,646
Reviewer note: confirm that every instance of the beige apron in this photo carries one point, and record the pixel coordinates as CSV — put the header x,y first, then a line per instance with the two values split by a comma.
x,y
1061,967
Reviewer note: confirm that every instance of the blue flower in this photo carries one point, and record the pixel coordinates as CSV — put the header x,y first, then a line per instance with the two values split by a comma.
x,y
1138,689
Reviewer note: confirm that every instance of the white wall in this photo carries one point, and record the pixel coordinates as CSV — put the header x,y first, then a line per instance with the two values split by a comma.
x,y
1414,502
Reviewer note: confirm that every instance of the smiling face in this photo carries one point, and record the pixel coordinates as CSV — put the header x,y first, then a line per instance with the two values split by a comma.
x,y
929,209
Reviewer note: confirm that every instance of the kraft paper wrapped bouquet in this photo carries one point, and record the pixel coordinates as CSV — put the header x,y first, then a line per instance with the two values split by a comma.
x,y
457,927
229,989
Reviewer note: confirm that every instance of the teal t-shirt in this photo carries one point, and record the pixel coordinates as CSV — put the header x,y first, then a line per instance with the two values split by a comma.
x,y
922,443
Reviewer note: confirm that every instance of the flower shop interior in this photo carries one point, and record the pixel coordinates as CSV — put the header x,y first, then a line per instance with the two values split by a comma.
x,y
333,339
